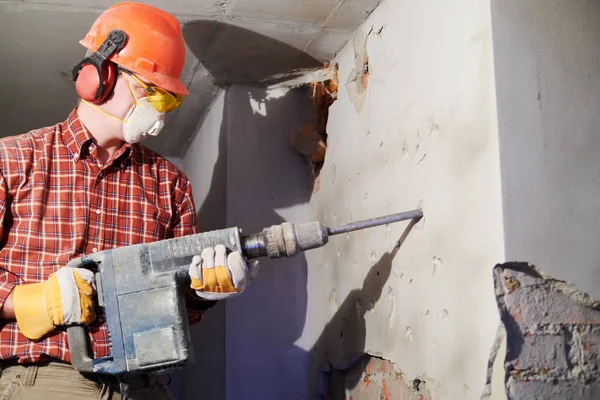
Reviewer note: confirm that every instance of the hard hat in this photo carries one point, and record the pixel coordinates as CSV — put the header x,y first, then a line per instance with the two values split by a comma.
x,y
152,47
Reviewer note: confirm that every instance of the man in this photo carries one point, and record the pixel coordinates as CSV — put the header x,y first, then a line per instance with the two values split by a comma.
x,y
86,185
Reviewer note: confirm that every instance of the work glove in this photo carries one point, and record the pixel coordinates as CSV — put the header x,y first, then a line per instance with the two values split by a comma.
x,y
217,276
66,298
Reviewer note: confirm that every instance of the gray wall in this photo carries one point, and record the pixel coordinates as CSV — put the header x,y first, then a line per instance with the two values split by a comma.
x,y
205,165
245,174
547,62
267,184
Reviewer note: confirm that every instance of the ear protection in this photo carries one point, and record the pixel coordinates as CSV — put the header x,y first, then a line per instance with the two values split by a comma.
x,y
95,76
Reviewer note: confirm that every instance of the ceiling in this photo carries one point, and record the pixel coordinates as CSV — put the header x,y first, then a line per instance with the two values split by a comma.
x,y
228,41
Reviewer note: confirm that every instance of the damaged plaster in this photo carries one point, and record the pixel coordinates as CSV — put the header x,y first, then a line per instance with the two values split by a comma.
x,y
375,378
409,133
358,79
548,346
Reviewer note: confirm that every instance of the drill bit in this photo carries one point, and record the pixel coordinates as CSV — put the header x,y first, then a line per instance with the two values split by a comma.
x,y
288,239
369,223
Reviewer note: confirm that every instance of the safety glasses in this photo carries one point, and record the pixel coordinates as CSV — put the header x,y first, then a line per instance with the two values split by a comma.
x,y
162,100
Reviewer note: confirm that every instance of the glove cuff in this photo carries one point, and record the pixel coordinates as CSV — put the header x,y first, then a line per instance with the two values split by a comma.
x,y
31,313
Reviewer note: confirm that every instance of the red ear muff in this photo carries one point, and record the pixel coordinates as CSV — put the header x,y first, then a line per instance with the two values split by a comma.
x,y
95,86
95,76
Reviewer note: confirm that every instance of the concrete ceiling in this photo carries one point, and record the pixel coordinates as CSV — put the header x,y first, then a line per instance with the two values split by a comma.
x,y
229,41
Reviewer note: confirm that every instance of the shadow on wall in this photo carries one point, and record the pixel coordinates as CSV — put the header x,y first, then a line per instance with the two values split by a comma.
x,y
249,350
260,181
233,54
267,184
342,342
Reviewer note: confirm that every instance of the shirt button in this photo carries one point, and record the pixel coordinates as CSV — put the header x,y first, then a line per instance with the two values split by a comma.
x,y
94,250
98,211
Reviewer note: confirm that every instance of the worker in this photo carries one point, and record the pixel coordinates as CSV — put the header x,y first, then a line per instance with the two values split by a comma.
x,y
85,185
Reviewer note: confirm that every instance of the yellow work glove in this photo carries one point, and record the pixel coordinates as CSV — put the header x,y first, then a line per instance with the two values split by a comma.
x,y
66,298
217,276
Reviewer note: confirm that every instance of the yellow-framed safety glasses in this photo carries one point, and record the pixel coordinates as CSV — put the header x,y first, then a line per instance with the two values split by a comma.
x,y
162,100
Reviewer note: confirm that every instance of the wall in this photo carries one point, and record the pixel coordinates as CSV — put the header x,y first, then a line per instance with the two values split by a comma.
x,y
205,164
245,174
418,130
548,84
267,183
495,142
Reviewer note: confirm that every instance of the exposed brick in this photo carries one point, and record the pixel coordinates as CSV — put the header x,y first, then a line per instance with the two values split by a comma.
x,y
544,353
366,390
372,378
552,335
395,389
590,342
559,389
545,304
379,366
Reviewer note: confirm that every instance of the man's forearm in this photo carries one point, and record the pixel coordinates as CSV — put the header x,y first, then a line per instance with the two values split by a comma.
x,y
7,311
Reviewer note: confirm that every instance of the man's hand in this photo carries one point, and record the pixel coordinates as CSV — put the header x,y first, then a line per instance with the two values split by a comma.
x,y
216,275
66,298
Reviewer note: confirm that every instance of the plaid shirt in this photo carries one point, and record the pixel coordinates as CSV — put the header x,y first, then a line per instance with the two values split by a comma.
x,y
58,202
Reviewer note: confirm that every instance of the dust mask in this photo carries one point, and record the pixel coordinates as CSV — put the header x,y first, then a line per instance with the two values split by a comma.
x,y
142,121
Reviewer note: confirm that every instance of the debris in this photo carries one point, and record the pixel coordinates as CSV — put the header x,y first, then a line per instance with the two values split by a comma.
x,y
310,140
358,80
302,77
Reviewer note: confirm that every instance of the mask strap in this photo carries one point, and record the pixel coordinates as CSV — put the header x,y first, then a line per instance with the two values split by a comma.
x,y
102,111
107,114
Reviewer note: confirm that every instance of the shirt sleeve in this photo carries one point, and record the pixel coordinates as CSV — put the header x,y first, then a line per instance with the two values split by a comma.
x,y
186,224
7,283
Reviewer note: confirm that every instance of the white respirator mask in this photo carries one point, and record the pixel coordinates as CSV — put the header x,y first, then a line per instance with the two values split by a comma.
x,y
142,121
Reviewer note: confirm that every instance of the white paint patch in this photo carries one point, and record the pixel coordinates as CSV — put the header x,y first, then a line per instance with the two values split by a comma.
x,y
303,77
437,265
277,92
409,333
391,306
258,107
333,303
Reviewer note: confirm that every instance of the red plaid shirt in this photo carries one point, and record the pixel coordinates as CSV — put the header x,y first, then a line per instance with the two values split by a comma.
x,y
58,202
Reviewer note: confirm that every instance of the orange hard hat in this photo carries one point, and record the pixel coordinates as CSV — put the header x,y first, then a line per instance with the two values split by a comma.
x,y
154,49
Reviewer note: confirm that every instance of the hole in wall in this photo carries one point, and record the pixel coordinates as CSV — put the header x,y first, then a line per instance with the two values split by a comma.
x,y
310,140
351,380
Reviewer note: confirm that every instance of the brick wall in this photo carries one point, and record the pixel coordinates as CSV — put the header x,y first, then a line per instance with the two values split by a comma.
x,y
552,336
372,378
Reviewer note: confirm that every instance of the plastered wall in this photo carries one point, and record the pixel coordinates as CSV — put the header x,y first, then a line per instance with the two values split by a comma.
x,y
205,165
414,127
547,58
245,174
494,139
267,184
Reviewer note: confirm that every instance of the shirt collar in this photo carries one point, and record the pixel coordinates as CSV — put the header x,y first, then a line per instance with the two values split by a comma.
x,y
78,138
75,135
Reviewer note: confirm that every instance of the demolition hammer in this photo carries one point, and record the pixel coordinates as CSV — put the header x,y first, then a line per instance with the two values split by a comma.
x,y
139,288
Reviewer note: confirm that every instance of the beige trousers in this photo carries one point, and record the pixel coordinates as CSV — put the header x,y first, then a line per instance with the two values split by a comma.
x,y
58,381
